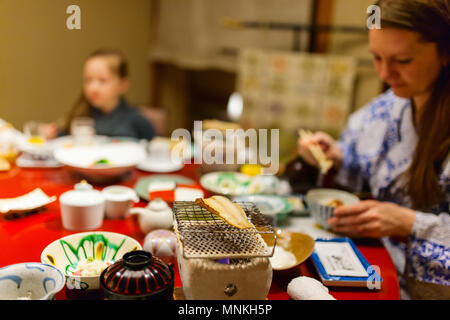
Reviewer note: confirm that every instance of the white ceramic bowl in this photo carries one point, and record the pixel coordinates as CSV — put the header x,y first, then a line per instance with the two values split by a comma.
x,y
316,199
30,281
121,157
65,253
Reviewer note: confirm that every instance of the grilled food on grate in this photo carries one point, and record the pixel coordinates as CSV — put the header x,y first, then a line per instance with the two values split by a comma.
x,y
230,212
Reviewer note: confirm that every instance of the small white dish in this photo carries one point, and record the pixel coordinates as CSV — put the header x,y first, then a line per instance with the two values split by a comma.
x,y
160,165
232,183
27,160
268,205
31,201
226,182
188,194
30,281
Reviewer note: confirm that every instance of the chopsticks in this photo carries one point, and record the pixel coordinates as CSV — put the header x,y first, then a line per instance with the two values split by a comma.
x,y
317,152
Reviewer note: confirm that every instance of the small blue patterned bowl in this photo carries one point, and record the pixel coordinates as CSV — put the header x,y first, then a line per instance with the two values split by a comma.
x,y
30,281
318,200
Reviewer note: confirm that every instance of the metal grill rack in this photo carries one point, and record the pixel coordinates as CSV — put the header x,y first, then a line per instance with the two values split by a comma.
x,y
202,234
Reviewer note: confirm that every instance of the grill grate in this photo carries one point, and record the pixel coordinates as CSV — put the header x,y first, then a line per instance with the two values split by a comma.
x,y
204,235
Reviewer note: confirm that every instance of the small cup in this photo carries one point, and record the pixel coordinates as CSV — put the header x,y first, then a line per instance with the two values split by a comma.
x,y
316,199
159,148
82,130
82,208
118,201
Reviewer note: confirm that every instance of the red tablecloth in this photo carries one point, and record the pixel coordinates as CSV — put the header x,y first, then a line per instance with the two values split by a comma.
x,y
23,239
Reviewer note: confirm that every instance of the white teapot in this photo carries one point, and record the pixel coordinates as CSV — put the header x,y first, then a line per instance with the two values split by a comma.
x,y
157,215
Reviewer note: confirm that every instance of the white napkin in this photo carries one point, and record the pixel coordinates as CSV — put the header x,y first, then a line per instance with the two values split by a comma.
x,y
306,288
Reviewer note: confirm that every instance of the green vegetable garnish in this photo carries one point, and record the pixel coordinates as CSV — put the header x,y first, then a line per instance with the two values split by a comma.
x,y
102,161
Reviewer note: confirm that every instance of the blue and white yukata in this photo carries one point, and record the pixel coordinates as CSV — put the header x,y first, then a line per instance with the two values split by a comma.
x,y
378,146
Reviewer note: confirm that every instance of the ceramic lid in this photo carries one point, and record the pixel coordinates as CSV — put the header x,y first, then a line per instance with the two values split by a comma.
x,y
137,273
82,195
119,193
158,205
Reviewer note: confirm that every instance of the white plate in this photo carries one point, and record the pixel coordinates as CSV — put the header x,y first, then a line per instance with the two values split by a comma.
x,y
160,165
237,184
122,157
266,204
26,160
226,183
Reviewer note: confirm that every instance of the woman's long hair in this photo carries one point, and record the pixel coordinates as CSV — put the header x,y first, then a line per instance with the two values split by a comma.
x,y
118,65
431,20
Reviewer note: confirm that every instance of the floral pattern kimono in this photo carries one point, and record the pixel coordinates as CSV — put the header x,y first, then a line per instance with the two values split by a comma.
x,y
378,146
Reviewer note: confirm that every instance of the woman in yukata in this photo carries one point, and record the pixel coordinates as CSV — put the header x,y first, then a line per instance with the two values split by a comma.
x,y
397,147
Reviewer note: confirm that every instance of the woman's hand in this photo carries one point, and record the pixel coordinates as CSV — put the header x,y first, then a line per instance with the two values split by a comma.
x,y
328,145
373,219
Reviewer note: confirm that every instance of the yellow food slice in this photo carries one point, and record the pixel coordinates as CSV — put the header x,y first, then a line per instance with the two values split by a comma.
x,y
230,212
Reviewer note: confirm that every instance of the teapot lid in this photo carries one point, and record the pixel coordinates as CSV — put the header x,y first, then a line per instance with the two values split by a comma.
x,y
158,205
83,185
137,273
119,193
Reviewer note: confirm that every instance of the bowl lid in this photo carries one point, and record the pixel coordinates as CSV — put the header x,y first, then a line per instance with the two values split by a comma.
x,y
82,195
119,193
137,273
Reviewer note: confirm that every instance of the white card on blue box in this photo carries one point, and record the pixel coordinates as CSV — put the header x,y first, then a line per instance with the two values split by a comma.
x,y
339,259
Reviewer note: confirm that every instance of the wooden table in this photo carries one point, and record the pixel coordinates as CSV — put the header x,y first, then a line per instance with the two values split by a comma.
x,y
23,239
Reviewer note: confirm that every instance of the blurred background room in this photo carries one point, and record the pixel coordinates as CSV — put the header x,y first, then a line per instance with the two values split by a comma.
x,y
295,63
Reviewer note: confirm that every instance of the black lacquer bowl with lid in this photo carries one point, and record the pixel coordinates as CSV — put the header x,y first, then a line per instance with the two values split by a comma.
x,y
138,276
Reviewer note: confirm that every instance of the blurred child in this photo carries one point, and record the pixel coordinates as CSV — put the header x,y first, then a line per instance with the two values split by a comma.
x,y
105,81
